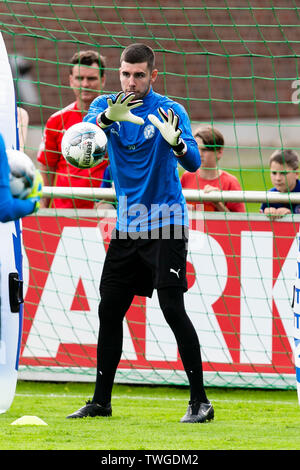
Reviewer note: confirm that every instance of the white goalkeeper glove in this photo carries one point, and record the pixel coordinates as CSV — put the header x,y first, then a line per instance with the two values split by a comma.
x,y
37,190
169,130
120,110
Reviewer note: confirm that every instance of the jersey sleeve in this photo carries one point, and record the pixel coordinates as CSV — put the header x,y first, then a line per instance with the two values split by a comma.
x,y
191,160
10,207
49,152
97,106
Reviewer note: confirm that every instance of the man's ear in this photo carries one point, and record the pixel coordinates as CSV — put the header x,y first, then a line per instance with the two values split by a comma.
x,y
154,75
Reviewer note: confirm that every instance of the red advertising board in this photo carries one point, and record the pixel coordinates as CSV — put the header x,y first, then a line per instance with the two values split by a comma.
x,y
240,276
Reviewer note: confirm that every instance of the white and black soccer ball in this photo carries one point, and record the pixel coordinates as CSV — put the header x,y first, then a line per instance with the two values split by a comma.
x,y
22,173
84,145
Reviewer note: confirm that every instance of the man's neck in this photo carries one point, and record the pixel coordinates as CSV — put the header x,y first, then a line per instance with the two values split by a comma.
x,y
83,106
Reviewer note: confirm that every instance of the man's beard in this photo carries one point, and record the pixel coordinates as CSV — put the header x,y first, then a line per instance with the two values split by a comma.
x,y
140,95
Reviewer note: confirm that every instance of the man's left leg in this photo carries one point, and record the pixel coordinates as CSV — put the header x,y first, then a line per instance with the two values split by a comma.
x,y
171,300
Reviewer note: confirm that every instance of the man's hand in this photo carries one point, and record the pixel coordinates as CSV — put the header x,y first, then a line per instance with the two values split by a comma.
x,y
169,129
37,190
120,110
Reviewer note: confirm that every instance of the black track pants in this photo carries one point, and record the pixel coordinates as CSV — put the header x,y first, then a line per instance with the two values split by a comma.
x,y
112,309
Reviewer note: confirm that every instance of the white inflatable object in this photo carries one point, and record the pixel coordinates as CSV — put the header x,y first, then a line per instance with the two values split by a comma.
x,y
11,307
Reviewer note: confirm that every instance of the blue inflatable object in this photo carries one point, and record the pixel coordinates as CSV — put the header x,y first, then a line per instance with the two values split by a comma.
x,y
11,297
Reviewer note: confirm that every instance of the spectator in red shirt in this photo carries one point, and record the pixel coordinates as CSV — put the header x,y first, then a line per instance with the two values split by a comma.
x,y
209,177
87,79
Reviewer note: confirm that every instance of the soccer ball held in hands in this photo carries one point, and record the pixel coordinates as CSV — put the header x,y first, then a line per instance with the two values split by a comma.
x,y
84,145
22,173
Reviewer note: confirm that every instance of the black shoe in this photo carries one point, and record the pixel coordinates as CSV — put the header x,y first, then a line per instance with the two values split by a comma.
x,y
92,410
198,413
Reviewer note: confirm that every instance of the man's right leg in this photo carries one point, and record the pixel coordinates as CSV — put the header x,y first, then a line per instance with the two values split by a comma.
x,y
112,308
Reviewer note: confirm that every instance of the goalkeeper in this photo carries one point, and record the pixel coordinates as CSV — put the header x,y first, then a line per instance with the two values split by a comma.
x,y
148,134
12,208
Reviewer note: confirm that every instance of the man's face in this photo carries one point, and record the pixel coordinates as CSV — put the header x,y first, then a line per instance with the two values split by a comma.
x,y
136,78
86,83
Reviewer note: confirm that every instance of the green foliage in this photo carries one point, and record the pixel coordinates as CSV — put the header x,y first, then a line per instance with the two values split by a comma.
x,y
147,418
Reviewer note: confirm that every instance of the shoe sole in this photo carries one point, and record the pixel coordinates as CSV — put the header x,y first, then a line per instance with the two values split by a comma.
x,y
79,414
88,416
194,421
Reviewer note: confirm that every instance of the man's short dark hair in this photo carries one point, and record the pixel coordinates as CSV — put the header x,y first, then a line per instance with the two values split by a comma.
x,y
138,53
88,58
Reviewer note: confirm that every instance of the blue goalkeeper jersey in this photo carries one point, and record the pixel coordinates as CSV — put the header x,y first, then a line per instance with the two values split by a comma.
x,y
10,208
144,166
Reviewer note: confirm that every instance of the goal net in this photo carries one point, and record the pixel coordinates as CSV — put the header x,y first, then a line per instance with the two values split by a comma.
x,y
232,65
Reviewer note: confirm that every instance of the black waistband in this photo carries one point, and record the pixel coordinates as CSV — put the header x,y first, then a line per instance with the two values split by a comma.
x,y
165,232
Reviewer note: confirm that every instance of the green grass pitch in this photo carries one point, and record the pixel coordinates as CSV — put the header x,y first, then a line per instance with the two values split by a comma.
x,y
147,418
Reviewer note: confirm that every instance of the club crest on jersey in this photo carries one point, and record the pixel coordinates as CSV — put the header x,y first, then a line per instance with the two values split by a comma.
x,y
149,131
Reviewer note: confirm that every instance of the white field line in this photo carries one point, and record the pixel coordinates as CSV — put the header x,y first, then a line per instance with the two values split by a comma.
x,y
142,397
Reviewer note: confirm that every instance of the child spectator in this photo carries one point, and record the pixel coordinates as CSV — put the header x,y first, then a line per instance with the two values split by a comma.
x,y
209,177
284,176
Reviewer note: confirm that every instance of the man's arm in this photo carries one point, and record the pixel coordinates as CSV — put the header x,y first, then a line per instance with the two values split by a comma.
x,y
12,208
180,139
48,175
49,154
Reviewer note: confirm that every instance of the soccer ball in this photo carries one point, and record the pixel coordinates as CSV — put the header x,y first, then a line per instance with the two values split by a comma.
x,y
22,173
84,145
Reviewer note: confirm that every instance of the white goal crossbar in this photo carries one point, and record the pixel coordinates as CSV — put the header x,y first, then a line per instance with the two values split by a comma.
x,y
193,195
